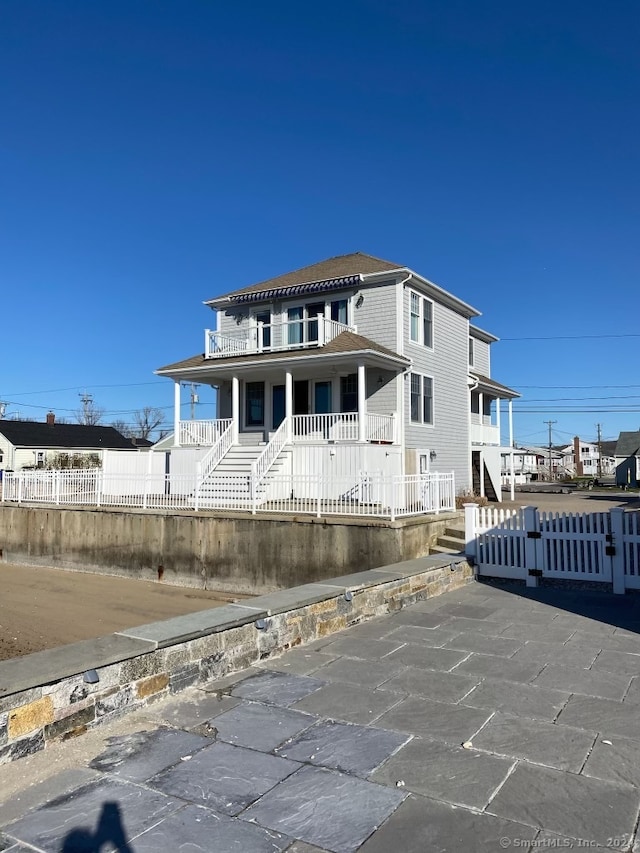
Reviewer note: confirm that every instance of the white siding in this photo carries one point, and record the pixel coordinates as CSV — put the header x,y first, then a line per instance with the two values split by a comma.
x,y
346,460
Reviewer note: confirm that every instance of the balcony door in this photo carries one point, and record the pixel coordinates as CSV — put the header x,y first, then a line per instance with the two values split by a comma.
x,y
322,398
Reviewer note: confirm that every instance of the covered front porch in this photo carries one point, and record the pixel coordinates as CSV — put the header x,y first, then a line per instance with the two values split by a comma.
x,y
309,402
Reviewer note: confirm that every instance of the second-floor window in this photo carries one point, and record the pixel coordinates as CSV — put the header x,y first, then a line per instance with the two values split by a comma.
x,y
264,330
303,320
421,319
421,399
470,352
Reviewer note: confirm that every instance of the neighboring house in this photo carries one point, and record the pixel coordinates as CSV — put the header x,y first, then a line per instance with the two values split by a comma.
x,y
628,459
535,462
354,364
525,466
582,459
29,444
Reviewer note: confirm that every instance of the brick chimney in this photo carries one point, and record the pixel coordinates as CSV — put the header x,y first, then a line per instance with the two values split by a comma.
x,y
51,419
577,458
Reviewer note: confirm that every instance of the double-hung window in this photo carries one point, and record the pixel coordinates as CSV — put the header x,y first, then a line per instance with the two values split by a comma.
x,y
421,319
421,399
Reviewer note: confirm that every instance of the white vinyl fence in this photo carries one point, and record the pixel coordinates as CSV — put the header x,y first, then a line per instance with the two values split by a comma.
x,y
528,544
371,495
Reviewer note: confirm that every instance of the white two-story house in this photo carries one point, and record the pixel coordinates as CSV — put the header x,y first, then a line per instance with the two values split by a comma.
x,y
351,365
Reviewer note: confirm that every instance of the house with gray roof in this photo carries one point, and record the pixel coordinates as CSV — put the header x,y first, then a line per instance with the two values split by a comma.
x,y
628,459
353,364
38,444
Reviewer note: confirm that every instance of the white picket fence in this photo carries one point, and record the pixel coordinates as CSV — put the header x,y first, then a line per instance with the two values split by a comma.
x,y
528,544
370,495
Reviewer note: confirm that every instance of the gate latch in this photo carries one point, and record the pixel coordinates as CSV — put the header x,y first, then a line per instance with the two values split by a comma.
x,y
534,534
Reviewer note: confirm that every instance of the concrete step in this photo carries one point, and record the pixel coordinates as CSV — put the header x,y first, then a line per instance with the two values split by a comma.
x,y
441,549
456,532
452,543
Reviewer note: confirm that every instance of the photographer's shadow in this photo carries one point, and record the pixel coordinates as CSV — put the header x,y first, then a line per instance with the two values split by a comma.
x,y
109,831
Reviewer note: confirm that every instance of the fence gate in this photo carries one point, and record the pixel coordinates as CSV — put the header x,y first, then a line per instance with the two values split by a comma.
x,y
575,547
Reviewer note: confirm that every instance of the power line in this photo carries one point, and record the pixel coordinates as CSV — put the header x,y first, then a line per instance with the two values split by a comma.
x,y
573,337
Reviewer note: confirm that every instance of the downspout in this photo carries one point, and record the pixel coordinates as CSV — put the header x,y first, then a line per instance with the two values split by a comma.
x,y
472,388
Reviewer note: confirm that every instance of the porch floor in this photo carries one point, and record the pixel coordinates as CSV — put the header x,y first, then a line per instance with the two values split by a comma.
x,y
355,742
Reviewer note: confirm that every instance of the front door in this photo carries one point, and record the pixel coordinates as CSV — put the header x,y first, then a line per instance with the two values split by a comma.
x,y
322,398
301,397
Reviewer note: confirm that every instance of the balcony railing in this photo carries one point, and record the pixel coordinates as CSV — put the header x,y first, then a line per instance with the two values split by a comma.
x,y
343,426
274,337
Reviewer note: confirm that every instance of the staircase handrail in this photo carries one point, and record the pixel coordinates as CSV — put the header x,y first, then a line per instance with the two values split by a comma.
x,y
260,467
215,454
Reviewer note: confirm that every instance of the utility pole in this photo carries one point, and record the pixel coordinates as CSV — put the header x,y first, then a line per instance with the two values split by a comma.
x,y
550,424
194,399
86,399
599,450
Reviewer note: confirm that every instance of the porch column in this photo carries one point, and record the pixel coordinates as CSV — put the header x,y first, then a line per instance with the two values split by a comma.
x,y
512,475
498,421
176,414
288,403
481,412
362,403
235,408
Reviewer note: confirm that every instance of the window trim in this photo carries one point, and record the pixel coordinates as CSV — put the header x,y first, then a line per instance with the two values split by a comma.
x,y
421,319
422,399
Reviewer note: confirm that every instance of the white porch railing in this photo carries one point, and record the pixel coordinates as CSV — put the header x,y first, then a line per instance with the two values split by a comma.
x,y
381,428
343,426
527,544
263,463
202,433
334,426
273,337
215,454
372,495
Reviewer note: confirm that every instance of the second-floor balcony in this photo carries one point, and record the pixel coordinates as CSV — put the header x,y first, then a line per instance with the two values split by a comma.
x,y
483,431
274,337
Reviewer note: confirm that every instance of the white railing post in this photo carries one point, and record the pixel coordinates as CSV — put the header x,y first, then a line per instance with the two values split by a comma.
x,y
145,488
99,484
20,488
470,526
532,537
56,487
321,334
618,559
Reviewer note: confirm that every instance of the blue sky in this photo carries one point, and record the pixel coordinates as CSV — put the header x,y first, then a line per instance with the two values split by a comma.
x,y
156,154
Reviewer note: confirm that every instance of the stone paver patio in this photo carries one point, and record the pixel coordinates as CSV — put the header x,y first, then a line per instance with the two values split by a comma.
x,y
356,742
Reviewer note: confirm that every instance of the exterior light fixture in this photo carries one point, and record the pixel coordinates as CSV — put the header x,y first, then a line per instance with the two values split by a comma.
x,y
359,301
432,455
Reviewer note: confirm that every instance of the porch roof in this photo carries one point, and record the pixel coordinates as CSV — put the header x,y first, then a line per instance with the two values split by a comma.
x,y
346,343
485,383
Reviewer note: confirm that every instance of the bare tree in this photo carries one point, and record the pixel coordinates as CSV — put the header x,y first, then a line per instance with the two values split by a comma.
x,y
89,414
146,420
123,428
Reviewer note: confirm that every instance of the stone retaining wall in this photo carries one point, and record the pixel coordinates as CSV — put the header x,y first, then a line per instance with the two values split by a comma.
x,y
46,696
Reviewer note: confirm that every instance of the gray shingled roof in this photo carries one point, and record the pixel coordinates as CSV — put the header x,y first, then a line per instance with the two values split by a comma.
x,y
496,386
37,434
628,444
333,269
